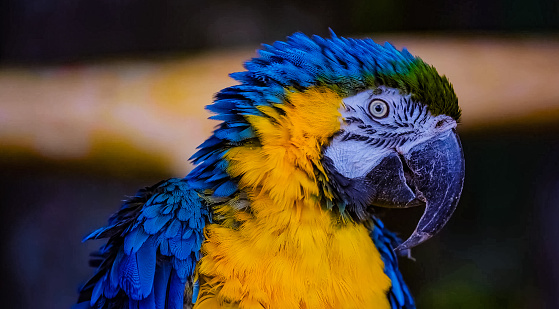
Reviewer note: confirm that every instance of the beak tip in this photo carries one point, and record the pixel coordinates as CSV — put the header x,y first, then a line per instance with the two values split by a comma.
x,y
415,239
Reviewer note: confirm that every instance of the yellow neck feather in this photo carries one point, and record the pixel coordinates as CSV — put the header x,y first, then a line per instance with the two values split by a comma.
x,y
287,250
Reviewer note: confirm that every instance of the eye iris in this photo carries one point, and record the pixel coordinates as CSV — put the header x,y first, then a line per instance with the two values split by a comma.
x,y
379,108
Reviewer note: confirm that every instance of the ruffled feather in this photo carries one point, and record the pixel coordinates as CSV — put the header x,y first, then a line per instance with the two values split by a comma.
x,y
154,244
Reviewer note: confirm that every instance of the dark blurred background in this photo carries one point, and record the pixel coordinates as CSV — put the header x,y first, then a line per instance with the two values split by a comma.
x,y
100,98
39,31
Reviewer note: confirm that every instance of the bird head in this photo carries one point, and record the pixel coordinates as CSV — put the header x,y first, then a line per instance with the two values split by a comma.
x,y
392,151
344,123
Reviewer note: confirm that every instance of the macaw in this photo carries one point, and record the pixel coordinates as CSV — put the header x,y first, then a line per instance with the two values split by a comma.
x,y
278,212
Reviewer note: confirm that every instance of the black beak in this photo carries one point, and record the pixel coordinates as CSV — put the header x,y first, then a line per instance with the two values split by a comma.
x,y
438,174
431,174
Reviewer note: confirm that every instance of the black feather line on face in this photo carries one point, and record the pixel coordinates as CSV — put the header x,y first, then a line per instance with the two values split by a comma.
x,y
350,120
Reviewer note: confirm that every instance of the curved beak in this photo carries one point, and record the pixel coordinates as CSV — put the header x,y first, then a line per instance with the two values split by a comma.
x,y
438,174
430,173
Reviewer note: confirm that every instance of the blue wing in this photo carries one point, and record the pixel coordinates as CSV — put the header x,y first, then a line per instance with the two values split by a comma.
x,y
385,241
154,244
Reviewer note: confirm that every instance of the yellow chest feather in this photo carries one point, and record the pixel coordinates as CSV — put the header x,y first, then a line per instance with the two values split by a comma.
x,y
286,250
307,260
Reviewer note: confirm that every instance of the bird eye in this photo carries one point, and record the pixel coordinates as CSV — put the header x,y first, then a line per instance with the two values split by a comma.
x,y
378,108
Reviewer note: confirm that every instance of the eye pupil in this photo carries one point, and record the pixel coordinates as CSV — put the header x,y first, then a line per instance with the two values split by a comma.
x,y
378,108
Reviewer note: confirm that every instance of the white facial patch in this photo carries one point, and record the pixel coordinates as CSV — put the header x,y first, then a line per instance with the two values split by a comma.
x,y
353,158
364,140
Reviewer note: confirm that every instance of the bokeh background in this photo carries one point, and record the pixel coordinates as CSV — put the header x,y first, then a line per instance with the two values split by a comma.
x,y
100,98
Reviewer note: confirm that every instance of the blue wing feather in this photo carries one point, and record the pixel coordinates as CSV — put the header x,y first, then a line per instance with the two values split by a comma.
x,y
175,296
161,281
154,243
399,295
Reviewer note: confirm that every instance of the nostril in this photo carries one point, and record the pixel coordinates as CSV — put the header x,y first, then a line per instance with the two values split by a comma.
x,y
440,123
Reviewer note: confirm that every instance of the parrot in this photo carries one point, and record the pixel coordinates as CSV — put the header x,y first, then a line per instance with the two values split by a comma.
x,y
279,210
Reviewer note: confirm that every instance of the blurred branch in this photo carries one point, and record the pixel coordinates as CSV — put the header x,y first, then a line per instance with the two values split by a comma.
x,y
157,106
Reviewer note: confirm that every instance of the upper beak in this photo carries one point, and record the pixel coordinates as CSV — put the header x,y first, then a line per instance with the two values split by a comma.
x,y
430,173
